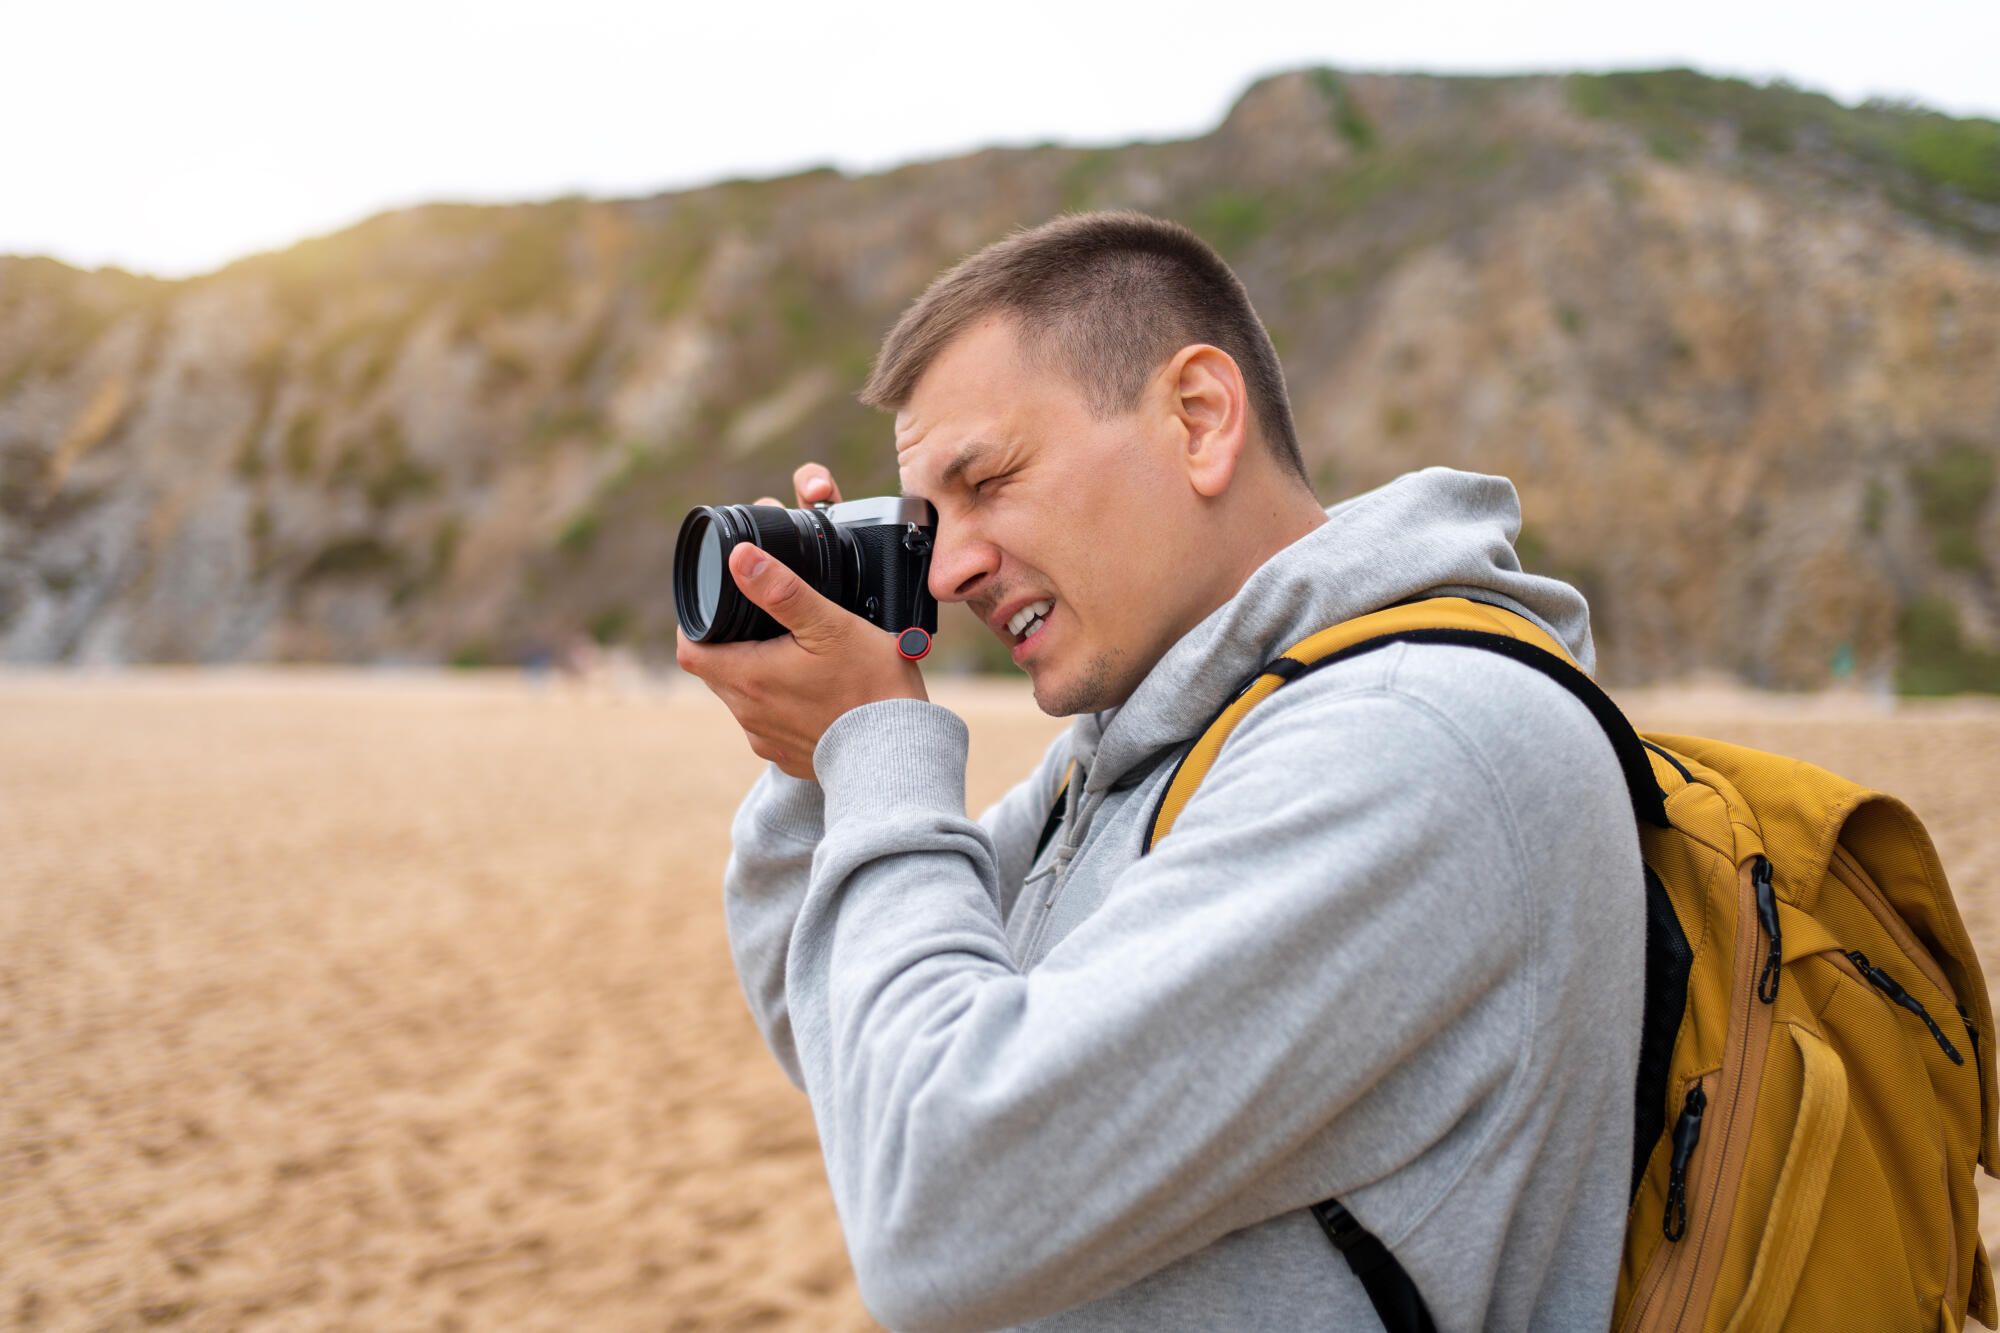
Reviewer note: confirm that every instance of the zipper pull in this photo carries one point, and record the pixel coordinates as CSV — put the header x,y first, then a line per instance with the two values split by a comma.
x,y
1767,917
1687,1133
1888,985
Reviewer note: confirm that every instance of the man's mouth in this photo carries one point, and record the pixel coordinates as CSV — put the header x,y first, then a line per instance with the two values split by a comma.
x,y
1027,622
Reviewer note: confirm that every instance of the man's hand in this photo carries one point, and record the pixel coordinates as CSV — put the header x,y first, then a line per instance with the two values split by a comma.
x,y
785,692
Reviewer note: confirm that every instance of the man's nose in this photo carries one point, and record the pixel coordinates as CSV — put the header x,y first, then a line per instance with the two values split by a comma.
x,y
960,563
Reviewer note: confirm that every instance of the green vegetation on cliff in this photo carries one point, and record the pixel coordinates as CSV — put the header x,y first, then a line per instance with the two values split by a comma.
x,y
1733,344
1928,162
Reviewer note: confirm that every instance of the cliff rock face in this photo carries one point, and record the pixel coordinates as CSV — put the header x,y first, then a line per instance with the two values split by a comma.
x,y
1738,347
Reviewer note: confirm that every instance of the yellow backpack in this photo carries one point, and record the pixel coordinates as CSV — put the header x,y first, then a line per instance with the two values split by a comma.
x,y
1815,1075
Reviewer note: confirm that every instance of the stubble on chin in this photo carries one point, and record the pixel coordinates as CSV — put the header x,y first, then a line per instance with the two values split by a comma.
x,y
1100,687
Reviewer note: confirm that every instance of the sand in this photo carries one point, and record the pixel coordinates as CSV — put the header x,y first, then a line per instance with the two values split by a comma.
x,y
365,1001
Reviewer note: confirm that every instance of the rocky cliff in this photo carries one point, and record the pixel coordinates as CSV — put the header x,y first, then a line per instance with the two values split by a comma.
x,y
1739,348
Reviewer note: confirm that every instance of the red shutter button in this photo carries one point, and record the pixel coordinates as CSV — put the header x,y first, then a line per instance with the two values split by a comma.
x,y
913,644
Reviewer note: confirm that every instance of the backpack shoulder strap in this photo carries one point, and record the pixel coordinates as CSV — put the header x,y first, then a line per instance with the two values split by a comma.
x,y
1446,620
1055,818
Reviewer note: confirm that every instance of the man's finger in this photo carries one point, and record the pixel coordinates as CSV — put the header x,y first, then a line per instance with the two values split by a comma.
x,y
813,621
814,485
770,500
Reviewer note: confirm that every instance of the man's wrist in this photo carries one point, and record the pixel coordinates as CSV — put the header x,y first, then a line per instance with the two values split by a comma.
x,y
790,807
894,753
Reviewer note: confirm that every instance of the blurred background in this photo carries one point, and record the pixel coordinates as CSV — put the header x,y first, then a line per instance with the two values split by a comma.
x,y
406,334
346,349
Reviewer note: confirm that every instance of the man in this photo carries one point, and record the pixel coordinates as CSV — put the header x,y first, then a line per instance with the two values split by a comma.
x,y
1392,951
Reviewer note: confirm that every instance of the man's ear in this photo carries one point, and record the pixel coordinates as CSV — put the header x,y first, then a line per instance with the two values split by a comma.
x,y
1207,396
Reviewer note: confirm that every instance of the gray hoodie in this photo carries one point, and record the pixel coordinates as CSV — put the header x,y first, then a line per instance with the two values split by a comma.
x,y
1393,952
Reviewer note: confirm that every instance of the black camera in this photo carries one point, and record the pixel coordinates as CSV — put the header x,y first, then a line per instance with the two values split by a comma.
x,y
871,557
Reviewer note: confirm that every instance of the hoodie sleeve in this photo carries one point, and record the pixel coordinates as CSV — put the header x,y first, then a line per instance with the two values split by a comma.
x,y
774,836
1231,1036
772,841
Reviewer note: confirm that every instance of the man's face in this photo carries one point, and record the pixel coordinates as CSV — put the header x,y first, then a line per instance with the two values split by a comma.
x,y
1042,506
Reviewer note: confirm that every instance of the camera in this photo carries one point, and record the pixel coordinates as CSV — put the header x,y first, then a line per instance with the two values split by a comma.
x,y
871,557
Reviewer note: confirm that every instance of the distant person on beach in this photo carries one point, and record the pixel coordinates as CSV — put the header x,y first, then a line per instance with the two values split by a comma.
x,y
1391,954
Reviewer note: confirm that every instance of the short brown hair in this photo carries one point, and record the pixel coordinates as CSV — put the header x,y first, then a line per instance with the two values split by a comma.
x,y
1107,297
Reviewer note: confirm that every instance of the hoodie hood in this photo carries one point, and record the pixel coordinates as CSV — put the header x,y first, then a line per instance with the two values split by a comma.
x,y
1438,533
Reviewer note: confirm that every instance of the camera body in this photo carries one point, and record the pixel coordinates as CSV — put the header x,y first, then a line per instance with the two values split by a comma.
x,y
871,557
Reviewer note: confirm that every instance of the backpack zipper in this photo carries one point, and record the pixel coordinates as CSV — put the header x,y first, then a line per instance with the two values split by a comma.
x,y
1888,985
1687,1133
1767,917
1972,1035
1676,1280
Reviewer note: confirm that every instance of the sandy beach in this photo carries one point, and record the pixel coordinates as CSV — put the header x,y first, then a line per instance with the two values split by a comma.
x,y
394,1002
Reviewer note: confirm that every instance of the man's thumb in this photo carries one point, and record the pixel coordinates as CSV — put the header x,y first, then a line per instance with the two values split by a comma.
x,y
782,593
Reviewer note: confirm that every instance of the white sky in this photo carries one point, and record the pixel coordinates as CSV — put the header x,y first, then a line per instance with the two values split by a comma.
x,y
170,136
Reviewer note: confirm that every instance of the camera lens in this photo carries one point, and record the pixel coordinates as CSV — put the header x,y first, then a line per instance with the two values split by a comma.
x,y
709,605
708,572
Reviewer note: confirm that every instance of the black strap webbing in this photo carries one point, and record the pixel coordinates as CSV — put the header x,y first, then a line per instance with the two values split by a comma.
x,y
1054,822
1396,1299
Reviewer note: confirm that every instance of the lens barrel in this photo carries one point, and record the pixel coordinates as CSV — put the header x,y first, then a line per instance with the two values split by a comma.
x,y
707,602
